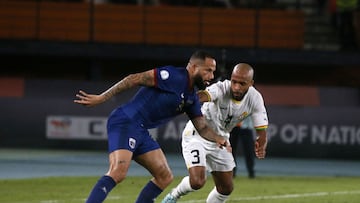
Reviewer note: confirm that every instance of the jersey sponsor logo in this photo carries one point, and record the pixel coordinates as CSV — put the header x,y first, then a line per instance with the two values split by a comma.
x,y
164,74
181,106
227,120
184,102
132,143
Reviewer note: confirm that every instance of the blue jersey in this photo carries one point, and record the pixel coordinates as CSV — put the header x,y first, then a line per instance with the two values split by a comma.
x,y
171,96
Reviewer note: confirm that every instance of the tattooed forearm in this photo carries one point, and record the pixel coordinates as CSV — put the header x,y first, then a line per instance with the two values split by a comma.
x,y
144,78
122,85
203,128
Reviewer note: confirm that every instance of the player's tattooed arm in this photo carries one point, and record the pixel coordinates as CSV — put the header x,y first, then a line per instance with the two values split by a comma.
x,y
146,78
207,132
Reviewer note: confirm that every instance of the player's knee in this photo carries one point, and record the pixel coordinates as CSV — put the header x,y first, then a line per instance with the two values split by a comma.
x,y
117,175
197,182
163,177
167,178
225,189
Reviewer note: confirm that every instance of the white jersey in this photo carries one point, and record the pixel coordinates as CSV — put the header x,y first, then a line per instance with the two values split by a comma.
x,y
223,113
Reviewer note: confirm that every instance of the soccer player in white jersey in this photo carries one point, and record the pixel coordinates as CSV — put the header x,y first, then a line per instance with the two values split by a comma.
x,y
226,104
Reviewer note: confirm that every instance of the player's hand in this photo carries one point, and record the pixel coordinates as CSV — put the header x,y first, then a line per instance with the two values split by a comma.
x,y
228,146
88,99
260,146
222,142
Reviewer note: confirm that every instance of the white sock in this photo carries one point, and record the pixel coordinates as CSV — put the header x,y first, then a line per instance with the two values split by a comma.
x,y
182,188
216,197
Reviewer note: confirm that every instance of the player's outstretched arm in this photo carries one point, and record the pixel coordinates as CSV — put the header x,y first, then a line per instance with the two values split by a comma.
x,y
260,144
144,78
88,99
207,132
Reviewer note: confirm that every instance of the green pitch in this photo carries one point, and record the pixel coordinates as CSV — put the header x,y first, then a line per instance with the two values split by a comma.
x,y
261,189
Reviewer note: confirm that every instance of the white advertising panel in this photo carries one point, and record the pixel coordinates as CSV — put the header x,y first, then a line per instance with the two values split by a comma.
x,y
76,127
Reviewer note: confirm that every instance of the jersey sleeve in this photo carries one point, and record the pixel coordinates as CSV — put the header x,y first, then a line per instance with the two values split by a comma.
x,y
166,78
216,90
259,116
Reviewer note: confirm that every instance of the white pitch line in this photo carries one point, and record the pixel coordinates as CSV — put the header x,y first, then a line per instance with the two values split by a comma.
x,y
82,200
60,201
265,197
285,196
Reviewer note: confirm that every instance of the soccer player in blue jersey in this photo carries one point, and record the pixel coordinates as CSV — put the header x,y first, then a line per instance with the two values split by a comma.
x,y
165,93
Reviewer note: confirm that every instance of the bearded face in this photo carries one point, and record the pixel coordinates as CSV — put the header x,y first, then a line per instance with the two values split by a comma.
x,y
238,95
199,82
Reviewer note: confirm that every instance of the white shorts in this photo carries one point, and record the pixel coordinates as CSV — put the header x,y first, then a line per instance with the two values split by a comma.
x,y
198,151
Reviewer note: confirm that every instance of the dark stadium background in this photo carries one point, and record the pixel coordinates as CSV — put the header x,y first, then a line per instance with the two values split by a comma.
x,y
47,67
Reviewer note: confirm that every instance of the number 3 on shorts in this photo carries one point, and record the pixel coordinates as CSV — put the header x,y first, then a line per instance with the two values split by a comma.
x,y
195,153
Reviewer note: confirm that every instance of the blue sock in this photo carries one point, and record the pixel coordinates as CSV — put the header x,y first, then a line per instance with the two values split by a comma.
x,y
149,193
98,194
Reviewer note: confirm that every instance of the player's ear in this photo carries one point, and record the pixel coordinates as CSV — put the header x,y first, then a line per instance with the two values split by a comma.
x,y
190,64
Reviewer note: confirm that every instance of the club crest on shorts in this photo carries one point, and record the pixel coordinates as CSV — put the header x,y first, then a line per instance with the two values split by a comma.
x,y
132,143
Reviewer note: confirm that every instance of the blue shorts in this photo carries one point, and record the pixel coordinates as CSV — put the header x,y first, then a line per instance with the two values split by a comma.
x,y
125,133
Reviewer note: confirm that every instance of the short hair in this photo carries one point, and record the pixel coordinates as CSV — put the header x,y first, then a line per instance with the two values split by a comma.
x,y
202,55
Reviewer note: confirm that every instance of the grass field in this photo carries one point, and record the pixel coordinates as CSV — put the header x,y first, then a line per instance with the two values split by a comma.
x,y
262,189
